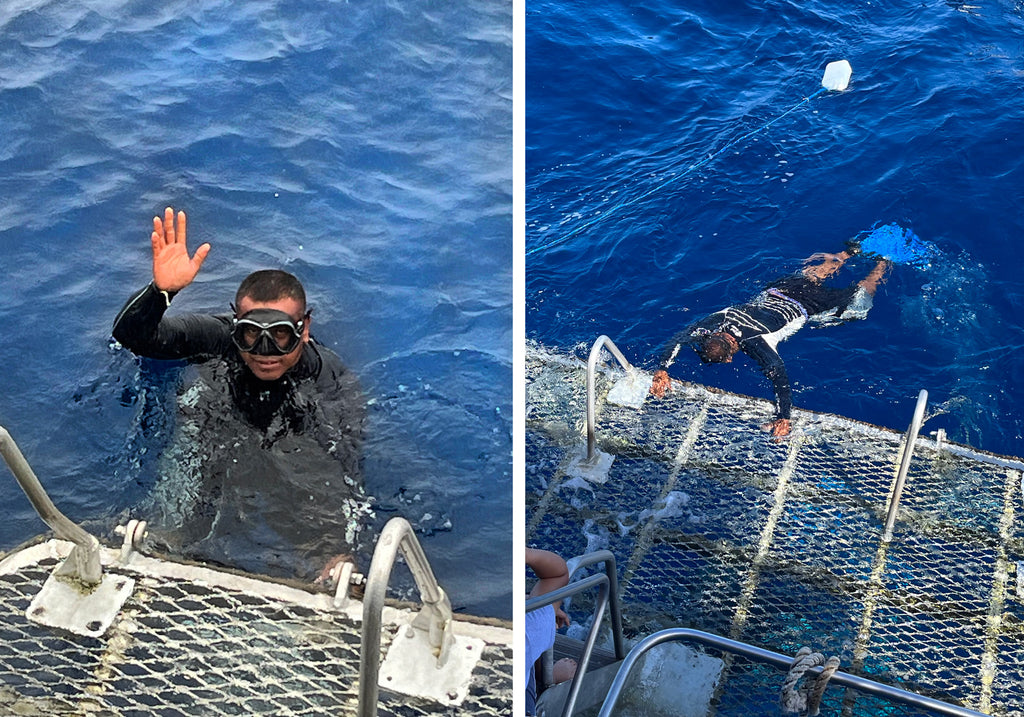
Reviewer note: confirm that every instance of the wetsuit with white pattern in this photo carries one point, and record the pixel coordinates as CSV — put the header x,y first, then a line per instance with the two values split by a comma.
x,y
770,318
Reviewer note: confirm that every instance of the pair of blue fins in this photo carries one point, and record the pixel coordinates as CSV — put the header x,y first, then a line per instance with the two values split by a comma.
x,y
895,243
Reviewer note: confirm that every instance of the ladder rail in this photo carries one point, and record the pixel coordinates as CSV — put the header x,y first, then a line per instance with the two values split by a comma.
x,y
907,454
435,617
602,342
607,600
84,562
784,662
615,613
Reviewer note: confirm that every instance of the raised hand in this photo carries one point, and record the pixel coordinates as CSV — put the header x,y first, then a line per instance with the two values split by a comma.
x,y
173,270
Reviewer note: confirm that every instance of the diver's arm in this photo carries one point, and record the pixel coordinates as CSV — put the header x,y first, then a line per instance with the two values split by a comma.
x,y
339,413
142,328
661,381
774,370
822,265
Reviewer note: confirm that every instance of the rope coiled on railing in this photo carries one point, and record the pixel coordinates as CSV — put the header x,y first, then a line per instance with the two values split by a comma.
x,y
806,699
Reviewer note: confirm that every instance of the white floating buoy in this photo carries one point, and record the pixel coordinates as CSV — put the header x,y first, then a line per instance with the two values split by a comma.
x,y
837,75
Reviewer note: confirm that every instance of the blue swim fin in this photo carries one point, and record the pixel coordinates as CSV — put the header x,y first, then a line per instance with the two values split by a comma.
x,y
895,243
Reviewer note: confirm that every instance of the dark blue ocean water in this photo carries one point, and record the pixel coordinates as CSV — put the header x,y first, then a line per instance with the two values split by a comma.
x,y
623,239
366,147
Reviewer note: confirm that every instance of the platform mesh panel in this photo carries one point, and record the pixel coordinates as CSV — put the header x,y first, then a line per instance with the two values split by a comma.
x,y
779,544
183,649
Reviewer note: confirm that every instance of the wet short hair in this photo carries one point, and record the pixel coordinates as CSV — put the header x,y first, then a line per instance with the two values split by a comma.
x,y
714,348
271,285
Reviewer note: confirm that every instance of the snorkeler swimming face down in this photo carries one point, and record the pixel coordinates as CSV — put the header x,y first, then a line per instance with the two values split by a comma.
x,y
757,326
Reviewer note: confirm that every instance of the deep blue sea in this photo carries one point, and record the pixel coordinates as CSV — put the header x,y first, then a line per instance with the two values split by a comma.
x,y
365,147
624,238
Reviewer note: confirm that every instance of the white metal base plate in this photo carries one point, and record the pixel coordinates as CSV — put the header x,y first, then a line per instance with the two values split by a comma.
x,y
410,667
592,471
64,604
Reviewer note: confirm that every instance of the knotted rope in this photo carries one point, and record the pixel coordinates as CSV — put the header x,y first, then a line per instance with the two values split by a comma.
x,y
806,699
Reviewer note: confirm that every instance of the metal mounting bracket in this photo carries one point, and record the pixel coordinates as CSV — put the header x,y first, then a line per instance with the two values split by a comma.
x,y
83,610
411,666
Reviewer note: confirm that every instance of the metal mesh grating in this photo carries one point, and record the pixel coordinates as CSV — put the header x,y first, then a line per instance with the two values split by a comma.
x,y
181,647
779,544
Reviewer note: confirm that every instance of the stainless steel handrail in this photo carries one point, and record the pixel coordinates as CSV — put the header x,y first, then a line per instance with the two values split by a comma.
x,y
435,618
83,563
595,352
615,614
601,582
608,594
908,452
773,658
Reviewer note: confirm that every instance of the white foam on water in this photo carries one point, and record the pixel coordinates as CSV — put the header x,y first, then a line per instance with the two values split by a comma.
x,y
671,506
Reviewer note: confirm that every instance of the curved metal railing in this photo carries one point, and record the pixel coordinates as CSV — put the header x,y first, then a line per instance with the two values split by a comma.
x,y
772,658
602,342
435,618
608,595
83,563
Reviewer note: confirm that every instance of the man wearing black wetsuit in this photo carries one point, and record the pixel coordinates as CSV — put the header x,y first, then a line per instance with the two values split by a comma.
x,y
262,359
756,328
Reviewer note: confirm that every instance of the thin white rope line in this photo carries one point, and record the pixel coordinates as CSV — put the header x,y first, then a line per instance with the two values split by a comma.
x,y
697,165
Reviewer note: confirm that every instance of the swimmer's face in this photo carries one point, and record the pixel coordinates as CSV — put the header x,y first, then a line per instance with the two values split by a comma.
x,y
271,368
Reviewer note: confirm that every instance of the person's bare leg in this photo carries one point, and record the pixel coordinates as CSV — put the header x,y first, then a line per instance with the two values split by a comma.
x,y
870,282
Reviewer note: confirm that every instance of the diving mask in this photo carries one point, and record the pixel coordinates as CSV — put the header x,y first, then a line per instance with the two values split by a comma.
x,y
267,332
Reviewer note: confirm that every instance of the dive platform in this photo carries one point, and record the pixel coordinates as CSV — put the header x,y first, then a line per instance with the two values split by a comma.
x,y
118,632
895,553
